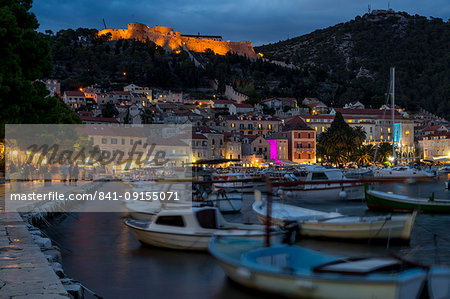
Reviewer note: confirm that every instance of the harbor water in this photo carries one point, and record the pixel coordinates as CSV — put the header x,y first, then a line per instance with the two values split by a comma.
x,y
104,255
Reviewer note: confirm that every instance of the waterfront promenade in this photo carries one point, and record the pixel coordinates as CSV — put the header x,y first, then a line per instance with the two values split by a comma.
x,y
24,270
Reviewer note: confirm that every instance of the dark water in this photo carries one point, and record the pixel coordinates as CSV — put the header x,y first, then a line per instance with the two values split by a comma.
x,y
105,256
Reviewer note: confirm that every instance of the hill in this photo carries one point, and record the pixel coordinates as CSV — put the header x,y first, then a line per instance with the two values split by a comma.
x,y
353,60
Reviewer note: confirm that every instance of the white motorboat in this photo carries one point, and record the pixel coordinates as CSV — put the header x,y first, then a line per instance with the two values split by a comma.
x,y
403,172
192,228
146,210
318,224
322,191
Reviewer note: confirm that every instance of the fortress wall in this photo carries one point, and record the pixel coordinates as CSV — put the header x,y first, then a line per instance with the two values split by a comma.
x,y
168,39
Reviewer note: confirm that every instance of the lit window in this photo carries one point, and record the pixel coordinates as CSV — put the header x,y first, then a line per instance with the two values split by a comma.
x,y
381,130
389,137
232,125
259,126
382,137
323,129
350,120
307,120
316,129
389,130
371,137
407,133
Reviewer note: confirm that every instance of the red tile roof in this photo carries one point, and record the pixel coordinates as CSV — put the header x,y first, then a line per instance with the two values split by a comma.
x,y
296,123
281,99
99,119
432,128
198,136
74,93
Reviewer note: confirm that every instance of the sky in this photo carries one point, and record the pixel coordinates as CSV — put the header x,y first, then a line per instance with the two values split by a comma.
x,y
261,21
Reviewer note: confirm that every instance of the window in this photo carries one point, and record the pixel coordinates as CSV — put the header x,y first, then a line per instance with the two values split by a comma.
x,y
104,141
309,156
382,137
123,141
92,139
323,129
113,140
308,120
319,176
233,125
259,126
131,141
389,130
260,141
270,127
316,129
309,135
170,220
309,145
407,133
371,137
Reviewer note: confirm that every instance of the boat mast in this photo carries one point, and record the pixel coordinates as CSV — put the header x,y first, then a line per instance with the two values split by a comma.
x,y
392,92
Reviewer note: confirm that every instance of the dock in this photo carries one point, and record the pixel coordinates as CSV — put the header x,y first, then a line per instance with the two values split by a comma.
x,y
24,270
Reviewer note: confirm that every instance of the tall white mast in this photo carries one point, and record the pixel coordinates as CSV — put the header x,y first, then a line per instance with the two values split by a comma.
x,y
393,108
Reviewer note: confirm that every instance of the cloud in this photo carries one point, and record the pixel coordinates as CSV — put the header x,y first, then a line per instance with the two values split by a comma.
x,y
261,21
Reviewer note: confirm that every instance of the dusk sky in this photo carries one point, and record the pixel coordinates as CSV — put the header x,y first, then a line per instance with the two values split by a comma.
x,y
261,21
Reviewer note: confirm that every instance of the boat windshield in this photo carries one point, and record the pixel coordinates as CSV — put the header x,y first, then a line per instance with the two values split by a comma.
x,y
207,218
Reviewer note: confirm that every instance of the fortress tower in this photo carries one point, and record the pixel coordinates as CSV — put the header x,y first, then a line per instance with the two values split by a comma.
x,y
167,38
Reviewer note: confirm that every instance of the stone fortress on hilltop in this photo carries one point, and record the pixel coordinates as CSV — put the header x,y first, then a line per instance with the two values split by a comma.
x,y
172,40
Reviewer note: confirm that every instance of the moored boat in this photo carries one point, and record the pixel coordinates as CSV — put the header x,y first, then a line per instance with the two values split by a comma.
x,y
192,228
318,224
322,186
293,271
401,203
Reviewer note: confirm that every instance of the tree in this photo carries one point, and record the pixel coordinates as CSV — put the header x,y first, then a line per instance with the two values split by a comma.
x,y
340,141
109,110
364,154
25,59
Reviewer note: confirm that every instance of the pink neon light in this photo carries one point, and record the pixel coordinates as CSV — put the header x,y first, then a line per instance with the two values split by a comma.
x,y
274,150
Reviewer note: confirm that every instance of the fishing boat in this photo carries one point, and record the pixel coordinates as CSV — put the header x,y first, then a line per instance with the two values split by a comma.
x,y
318,224
320,187
403,172
293,271
192,228
401,203
239,181
226,202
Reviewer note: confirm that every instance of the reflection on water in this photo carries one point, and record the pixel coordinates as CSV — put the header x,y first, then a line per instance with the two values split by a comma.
x,y
104,255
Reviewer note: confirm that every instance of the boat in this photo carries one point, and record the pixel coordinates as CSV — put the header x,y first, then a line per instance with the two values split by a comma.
x,y
403,172
227,182
349,189
192,229
395,202
318,224
293,271
143,210
226,202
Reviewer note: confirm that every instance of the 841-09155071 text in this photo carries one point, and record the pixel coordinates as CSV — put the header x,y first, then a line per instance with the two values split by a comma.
x,y
103,196
148,195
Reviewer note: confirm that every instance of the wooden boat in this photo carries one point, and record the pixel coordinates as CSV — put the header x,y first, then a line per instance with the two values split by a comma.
x,y
293,271
322,191
192,228
318,224
401,203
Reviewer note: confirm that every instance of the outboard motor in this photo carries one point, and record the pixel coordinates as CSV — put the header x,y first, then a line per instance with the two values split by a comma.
x,y
291,227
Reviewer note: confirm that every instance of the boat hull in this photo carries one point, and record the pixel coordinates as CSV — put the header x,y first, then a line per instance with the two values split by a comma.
x,y
386,201
396,229
291,283
324,192
193,241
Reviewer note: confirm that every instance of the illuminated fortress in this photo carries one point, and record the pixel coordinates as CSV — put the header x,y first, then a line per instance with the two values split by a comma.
x,y
169,39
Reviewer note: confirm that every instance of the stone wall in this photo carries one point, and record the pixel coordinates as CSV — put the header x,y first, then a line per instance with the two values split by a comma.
x,y
170,40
